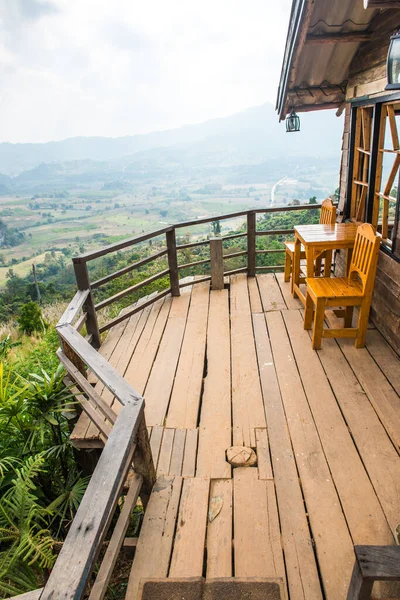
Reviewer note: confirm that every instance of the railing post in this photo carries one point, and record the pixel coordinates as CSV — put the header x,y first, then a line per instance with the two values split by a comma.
x,y
143,462
251,244
83,283
173,262
216,264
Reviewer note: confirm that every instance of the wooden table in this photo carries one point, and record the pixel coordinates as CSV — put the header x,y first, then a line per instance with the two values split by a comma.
x,y
317,239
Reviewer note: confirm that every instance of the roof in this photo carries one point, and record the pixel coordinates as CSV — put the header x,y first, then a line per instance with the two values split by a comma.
x,y
323,38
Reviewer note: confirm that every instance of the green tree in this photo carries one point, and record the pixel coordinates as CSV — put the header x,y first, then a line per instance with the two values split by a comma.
x,y
30,318
312,200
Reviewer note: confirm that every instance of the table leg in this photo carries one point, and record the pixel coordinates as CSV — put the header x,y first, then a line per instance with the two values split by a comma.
x,y
296,265
310,261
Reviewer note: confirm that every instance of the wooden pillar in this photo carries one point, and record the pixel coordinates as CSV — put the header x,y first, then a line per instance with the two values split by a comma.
x,y
216,264
173,263
83,283
251,244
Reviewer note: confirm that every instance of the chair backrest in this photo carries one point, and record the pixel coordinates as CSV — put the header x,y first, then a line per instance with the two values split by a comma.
x,y
328,213
365,255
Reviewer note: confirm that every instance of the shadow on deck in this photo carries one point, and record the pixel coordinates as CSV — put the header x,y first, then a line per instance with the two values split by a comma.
x,y
235,367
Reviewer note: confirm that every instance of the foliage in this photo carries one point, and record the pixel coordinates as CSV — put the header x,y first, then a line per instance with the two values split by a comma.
x,y
6,345
40,485
30,318
27,542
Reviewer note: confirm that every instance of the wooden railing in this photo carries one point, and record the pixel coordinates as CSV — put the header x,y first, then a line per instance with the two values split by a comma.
x,y
126,459
172,251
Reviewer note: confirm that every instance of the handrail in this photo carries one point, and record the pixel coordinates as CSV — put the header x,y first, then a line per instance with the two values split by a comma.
x,y
171,252
88,256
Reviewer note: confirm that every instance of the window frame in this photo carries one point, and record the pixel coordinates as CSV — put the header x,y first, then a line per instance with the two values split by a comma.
x,y
376,104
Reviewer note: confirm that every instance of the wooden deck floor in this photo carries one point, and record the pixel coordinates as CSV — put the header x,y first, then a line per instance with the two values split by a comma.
x,y
236,367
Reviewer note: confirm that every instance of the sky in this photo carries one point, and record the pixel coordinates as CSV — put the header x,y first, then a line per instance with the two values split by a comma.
x,y
120,67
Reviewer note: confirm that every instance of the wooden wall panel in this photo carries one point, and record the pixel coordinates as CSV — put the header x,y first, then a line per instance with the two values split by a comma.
x,y
368,78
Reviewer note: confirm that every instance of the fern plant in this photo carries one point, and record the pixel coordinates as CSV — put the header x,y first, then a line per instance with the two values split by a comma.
x,y
24,533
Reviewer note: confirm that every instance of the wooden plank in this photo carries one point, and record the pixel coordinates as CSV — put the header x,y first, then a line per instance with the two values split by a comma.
x,y
258,550
139,368
270,292
188,553
376,450
189,458
302,573
80,548
185,398
178,450
332,539
215,434
33,595
254,294
164,459
219,529
291,303
156,536
160,382
364,515
381,394
155,442
73,308
104,574
386,358
247,403
263,457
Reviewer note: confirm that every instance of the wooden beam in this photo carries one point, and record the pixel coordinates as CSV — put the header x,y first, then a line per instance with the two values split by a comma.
x,y
381,3
354,37
319,106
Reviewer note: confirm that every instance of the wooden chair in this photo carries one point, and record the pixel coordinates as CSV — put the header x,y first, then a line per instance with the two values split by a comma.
x,y
327,217
354,290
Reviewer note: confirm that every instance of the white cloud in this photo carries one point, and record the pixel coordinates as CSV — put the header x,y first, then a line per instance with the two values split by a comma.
x,y
101,67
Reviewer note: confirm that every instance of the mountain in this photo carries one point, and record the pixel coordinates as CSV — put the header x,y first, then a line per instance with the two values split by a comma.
x,y
248,137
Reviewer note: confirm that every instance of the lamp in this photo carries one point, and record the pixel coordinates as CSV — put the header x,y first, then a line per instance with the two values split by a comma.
x,y
293,122
393,63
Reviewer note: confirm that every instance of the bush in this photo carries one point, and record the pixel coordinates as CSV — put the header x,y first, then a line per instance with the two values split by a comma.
x,y
30,318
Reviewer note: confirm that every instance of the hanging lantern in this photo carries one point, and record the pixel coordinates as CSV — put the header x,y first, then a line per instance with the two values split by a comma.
x,y
292,122
393,63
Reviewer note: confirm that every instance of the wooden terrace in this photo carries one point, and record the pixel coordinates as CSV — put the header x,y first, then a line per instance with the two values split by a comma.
x,y
220,368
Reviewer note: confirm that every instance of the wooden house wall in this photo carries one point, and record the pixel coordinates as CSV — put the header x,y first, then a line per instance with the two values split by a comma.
x,y
368,78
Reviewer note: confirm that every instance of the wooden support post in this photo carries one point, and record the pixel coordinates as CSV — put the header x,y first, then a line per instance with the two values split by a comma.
x,y
83,283
173,262
251,244
216,264
143,462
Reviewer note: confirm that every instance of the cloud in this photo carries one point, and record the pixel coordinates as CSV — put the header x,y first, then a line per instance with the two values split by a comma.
x,y
94,67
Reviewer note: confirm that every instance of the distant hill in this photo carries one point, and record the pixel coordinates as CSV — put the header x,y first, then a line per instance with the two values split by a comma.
x,y
249,137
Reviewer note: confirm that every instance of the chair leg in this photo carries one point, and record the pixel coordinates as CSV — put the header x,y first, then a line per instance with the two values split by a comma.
x,y
348,316
318,266
288,265
309,312
328,263
318,323
362,323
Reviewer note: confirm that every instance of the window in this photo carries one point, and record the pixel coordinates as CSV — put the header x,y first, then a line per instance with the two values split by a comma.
x,y
374,169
